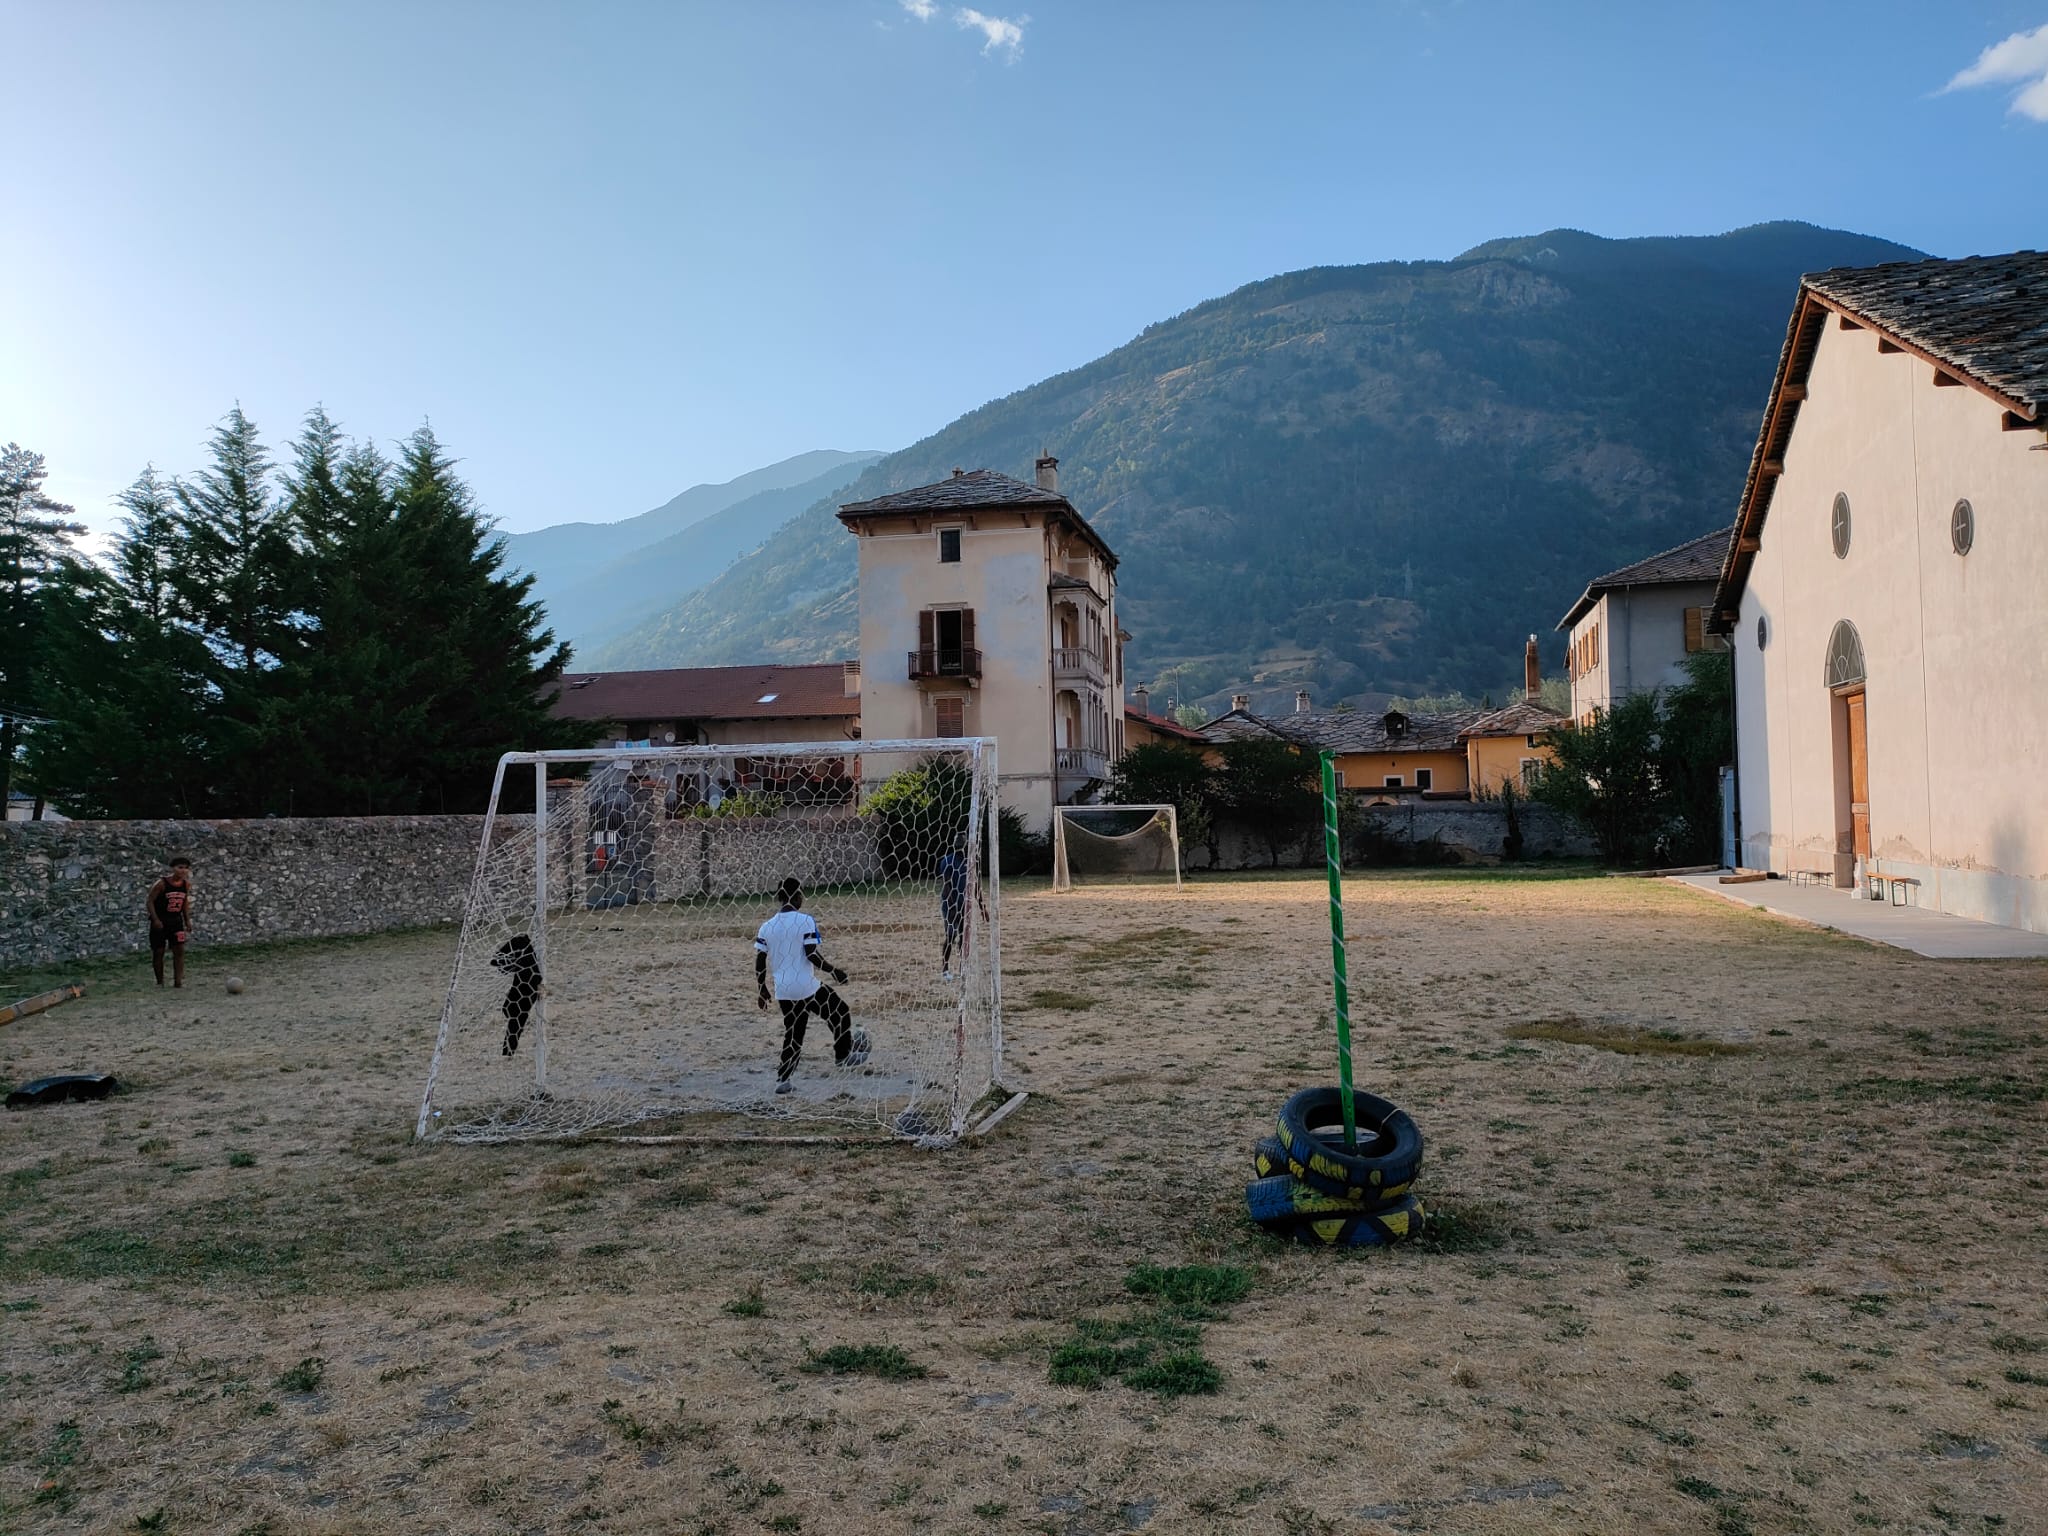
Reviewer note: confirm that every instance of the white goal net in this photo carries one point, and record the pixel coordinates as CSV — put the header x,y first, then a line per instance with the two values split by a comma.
x,y
607,973
1100,843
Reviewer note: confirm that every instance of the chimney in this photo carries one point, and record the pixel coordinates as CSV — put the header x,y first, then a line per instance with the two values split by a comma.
x,y
1048,472
849,672
1141,699
1532,671
1241,701
958,471
1301,701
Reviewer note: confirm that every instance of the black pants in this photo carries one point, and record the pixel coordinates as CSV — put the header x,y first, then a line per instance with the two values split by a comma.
x,y
827,1005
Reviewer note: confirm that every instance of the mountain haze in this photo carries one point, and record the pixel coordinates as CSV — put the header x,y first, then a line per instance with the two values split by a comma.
x,y
1370,478
597,579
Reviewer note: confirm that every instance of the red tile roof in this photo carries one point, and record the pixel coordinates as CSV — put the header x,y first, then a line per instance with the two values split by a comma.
x,y
1160,723
709,693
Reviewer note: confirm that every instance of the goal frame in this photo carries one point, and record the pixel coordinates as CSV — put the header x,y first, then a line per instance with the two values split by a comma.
x,y
1062,878
981,751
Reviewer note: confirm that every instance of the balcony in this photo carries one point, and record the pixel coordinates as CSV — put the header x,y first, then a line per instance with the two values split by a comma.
x,y
945,661
1077,661
1079,763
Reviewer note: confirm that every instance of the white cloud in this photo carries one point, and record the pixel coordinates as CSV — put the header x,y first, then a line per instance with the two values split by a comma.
x,y
923,10
2021,57
1000,34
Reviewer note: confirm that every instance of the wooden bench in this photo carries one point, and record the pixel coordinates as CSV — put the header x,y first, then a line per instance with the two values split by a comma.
x,y
1901,890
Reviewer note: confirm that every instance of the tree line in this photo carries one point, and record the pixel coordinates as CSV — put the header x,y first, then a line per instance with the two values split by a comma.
x,y
336,635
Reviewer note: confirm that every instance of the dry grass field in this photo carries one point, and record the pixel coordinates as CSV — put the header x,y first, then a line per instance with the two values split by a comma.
x,y
1743,1232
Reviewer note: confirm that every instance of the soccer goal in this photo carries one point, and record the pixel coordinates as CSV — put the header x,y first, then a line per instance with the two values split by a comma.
x,y
606,978
1101,843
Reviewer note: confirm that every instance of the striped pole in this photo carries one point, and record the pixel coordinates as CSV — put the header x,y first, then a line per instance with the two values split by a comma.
x,y
1334,857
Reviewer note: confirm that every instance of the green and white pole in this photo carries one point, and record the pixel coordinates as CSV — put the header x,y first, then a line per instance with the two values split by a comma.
x,y
1334,857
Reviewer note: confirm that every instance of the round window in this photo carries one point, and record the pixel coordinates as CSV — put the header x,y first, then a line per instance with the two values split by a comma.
x,y
1962,527
1838,526
1763,632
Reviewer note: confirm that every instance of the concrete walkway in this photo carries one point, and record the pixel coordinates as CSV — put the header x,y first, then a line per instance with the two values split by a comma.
x,y
1936,935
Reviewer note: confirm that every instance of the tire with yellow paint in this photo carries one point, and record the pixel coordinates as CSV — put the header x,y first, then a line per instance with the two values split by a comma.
x,y
1269,1157
1389,1148
1283,1198
1382,1228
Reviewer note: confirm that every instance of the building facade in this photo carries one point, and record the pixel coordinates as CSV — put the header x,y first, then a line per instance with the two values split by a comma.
x,y
1884,589
1631,630
988,608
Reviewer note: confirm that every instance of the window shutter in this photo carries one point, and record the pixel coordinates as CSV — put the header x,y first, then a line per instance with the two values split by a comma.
x,y
1695,631
967,628
927,630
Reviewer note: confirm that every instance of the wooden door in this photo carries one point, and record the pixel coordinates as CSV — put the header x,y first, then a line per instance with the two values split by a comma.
x,y
1859,777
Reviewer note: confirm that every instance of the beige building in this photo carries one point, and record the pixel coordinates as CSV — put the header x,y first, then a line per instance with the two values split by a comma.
x,y
1631,630
1886,589
988,608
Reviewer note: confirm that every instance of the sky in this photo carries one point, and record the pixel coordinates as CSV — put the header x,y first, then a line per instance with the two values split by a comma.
x,y
613,250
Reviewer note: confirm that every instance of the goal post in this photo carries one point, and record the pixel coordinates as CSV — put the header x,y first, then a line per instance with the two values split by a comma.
x,y
1103,843
605,977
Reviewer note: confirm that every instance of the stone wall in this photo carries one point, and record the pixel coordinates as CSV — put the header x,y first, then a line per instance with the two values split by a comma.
x,y
1470,830
69,890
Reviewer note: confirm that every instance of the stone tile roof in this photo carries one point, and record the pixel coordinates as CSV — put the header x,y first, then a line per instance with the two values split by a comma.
x,y
1520,718
1985,315
1695,560
966,491
1348,731
709,693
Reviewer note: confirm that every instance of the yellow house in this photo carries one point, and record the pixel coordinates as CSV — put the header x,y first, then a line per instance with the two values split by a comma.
x,y
1384,756
988,608
1505,745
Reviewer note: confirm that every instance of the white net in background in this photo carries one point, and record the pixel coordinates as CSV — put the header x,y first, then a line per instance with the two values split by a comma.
x,y
1102,843
605,977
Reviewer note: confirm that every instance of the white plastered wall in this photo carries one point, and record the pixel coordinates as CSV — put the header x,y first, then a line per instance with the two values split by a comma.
x,y
1955,647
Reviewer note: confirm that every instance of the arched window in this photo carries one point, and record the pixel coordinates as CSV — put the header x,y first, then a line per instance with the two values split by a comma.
x,y
1845,656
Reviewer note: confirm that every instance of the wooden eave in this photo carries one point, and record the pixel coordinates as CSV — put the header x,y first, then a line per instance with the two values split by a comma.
x,y
1781,415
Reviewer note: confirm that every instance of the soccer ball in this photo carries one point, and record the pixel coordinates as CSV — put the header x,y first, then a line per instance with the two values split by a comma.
x,y
234,984
859,1053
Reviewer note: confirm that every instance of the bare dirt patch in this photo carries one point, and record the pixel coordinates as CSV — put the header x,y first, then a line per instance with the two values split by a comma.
x,y
1798,1286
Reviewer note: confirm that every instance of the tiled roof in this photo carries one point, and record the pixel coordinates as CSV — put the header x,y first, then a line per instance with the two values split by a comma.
x,y
1695,560
1346,731
1986,315
965,491
1160,723
1520,718
709,693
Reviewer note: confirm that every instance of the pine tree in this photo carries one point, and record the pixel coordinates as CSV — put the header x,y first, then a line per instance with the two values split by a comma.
x,y
131,738
43,582
484,660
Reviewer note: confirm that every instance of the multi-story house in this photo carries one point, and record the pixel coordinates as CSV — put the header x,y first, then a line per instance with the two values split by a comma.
x,y
988,608
1631,630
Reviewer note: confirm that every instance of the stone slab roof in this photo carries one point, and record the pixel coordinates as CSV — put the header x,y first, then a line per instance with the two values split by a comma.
x,y
966,491
709,693
1986,315
1520,718
1695,560
1347,731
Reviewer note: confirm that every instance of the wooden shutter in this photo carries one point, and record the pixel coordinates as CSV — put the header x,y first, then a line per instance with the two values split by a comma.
x,y
1695,630
967,629
927,630
952,716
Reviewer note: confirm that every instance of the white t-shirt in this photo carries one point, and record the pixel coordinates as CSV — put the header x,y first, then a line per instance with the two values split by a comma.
x,y
787,939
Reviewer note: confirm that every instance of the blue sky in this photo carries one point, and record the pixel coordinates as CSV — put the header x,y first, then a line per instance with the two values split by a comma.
x,y
614,250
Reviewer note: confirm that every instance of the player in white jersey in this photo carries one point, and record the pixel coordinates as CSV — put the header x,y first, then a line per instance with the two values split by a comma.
x,y
787,948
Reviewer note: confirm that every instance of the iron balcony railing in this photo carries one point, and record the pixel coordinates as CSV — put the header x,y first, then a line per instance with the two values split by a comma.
x,y
945,661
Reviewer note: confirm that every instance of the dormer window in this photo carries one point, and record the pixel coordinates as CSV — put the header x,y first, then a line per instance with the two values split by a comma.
x,y
949,546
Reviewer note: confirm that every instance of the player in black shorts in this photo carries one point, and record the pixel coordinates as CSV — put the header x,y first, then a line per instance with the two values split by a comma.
x,y
170,920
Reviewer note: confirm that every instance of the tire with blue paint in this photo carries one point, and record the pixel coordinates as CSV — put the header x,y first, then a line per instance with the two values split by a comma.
x,y
1390,1224
1269,1157
1389,1144
1283,1198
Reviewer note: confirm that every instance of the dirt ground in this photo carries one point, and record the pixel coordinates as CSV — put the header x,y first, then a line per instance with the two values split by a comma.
x,y
1767,1254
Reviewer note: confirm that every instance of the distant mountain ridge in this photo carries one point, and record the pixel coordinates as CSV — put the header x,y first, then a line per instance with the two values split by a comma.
x,y
1356,479
597,579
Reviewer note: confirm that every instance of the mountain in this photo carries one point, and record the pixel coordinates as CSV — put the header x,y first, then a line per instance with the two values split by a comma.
x,y
599,578
1357,479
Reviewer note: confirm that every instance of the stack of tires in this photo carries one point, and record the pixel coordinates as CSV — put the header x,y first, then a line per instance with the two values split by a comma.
x,y
1313,1188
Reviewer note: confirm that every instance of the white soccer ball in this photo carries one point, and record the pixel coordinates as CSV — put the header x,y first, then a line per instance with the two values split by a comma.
x,y
234,984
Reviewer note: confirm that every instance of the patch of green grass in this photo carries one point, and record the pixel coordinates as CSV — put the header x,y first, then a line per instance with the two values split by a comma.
x,y
2017,1344
1194,1288
1182,1374
1053,997
883,1360
1981,1090
992,1510
892,1280
1154,1349
135,1364
1473,1226
654,1435
53,1484
749,1305
158,1519
241,1159
303,1377
1625,1040
2020,1378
